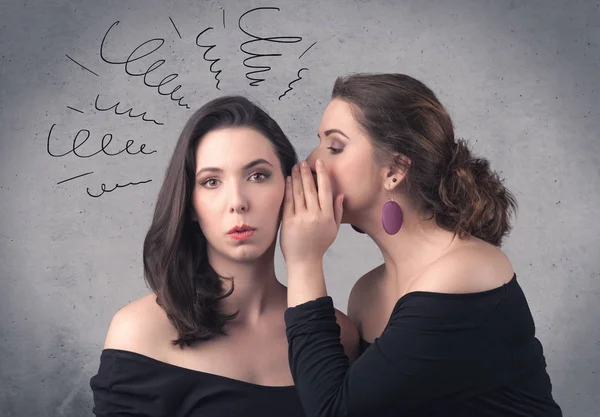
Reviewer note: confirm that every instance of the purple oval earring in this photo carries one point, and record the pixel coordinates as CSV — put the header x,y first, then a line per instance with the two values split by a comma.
x,y
391,216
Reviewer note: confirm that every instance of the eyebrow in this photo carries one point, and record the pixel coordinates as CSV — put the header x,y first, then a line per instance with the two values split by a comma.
x,y
249,165
330,131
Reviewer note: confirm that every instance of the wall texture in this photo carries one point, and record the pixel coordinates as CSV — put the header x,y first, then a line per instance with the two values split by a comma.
x,y
521,79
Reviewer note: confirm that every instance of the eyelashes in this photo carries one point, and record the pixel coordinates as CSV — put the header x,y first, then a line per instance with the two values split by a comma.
x,y
265,176
206,183
334,151
259,177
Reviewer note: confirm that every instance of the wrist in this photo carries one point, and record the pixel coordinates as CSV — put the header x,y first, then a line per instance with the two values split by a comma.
x,y
304,265
305,282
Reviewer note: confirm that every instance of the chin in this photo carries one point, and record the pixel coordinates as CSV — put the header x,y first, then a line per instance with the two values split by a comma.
x,y
353,213
347,218
247,253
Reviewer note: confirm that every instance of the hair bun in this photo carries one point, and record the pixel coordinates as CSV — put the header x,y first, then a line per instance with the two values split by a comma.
x,y
474,199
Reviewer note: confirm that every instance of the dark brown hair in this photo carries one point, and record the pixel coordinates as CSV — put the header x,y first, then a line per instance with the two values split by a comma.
x,y
176,267
402,115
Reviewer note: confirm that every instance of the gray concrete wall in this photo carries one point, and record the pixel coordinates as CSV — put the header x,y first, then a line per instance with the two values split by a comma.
x,y
521,79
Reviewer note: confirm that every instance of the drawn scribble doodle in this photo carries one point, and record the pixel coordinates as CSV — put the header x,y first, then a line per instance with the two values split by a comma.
x,y
258,60
176,30
106,140
307,49
82,66
75,177
127,112
257,69
134,56
74,109
103,188
212,61
290,88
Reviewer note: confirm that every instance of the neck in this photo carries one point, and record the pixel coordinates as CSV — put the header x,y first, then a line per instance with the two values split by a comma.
x,y
418,243
256,290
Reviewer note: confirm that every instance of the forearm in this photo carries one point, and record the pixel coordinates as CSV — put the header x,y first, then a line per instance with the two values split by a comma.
x,y
317,360
306,282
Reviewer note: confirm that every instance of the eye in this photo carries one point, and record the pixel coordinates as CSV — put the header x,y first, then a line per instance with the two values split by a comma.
x,y
333,150
259,176
210,183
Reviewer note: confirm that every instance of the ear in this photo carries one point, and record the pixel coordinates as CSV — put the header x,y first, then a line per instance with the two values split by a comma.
x,y
397,171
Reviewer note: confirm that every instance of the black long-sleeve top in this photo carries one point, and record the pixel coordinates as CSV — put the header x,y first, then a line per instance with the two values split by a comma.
x,y
439,355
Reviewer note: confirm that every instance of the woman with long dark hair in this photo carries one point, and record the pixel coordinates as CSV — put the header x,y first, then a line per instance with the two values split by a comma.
x,y
210,338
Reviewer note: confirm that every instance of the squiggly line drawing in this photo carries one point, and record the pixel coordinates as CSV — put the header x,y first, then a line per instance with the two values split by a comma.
x,y
290,88
134,56
104,190
276,39
127,112
106,140
212,61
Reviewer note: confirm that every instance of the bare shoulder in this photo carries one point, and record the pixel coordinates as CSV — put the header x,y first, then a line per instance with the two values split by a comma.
x,y
141,326
348,334
363,290
472,266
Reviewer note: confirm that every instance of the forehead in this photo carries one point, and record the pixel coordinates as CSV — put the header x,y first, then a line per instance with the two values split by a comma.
x,y
338,115
232,147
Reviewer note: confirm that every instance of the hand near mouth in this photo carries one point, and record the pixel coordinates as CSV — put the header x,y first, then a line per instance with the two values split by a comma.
x,y
311,217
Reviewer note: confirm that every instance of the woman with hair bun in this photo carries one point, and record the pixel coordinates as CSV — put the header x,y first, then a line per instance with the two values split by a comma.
x,y
445,327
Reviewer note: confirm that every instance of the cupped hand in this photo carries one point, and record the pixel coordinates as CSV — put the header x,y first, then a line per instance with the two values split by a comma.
x,y
311,215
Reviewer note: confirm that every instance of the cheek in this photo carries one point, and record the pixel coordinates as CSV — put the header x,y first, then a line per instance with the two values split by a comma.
x,y
352,175
346,173
204,209
267,204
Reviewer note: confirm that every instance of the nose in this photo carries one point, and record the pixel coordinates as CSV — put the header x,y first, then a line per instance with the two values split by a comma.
x,y
239,202
312,159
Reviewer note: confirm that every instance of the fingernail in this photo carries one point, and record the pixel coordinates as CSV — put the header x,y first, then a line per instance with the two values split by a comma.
x,y
304,164
296,168
319,162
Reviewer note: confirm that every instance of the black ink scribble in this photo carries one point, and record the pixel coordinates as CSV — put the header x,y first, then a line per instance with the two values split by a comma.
x,y
157,64
104,190
85,68
75,177
212,61
223,18
104,145
127,112
177,30
72,108
276,39
290,84
307,49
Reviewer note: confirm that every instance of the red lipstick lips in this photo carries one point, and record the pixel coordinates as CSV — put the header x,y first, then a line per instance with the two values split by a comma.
x,y
242,232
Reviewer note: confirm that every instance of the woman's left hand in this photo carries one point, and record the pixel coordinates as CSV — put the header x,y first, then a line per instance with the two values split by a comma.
x,y
311,216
